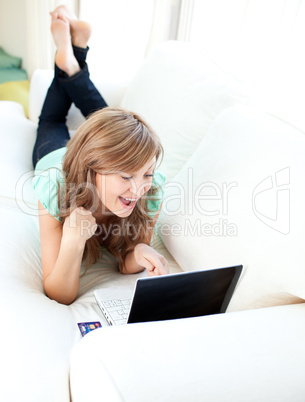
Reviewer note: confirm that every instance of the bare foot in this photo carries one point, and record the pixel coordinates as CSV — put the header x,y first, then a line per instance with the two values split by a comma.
x,y
80,33
80,30
64,59
64,11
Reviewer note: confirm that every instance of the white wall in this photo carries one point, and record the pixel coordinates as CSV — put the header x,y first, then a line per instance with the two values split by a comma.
x,y
262,43
13,28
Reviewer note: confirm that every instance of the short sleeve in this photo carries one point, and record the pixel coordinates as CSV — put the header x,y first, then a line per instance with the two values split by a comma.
x,y
154,201
46,185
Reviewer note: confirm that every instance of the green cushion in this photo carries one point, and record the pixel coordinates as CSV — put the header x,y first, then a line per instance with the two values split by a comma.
x,y
12,74
8,61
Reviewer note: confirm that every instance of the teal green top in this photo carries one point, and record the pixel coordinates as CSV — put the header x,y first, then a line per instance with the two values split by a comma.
x,y
48,177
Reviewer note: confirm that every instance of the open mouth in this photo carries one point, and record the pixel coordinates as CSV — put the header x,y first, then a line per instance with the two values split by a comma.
x,y
128,202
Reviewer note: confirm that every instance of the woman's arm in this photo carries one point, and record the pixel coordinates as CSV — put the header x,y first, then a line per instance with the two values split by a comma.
x,y
62,248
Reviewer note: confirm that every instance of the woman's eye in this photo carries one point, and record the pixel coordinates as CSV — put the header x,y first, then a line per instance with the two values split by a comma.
x,y
148,176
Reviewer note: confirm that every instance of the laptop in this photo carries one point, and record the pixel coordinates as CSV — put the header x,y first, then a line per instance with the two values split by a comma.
x,y
168,297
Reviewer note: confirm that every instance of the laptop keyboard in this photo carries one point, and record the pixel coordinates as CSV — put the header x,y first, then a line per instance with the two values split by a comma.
x,y
118,310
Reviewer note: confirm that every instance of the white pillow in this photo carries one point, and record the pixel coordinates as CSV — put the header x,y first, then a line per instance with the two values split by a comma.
x,y
249,173
180,92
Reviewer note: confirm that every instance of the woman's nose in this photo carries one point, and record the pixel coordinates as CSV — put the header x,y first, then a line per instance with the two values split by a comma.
x,y
139,187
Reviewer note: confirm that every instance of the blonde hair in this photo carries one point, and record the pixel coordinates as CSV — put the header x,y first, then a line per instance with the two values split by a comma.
x,y
112,139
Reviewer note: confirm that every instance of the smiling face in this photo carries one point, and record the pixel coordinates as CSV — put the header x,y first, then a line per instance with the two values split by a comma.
x,y
119,192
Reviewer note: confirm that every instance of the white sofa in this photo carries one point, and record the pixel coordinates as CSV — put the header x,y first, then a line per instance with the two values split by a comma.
x,y
235,194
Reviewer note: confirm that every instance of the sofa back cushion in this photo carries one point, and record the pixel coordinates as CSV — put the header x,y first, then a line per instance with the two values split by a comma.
x,y
240,200
180,92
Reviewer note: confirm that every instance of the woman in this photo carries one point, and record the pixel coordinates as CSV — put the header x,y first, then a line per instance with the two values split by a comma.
x,y
99,189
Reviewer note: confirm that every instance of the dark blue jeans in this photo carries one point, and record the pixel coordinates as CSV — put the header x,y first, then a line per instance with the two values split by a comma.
x,y
52,132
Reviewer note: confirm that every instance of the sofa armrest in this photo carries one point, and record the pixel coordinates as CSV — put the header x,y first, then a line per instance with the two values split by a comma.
x,y
255,355
113,93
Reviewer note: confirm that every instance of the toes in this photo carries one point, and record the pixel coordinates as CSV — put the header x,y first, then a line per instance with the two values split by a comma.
x,y
54,15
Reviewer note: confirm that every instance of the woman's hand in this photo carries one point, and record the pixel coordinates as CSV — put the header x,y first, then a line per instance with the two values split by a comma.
x,y
149,258
80,225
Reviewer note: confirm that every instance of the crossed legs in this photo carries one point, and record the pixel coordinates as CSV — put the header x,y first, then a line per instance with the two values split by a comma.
x,y
71,83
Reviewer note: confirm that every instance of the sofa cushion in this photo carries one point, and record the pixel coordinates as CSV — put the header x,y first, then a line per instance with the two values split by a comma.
x,y
240,200
9,61
246,356
180,92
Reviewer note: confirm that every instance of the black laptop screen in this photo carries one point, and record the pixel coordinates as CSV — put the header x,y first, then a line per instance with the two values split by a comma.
x,y
184,295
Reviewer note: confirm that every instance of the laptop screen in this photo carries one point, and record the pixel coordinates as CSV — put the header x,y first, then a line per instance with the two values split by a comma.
x,y
188,294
